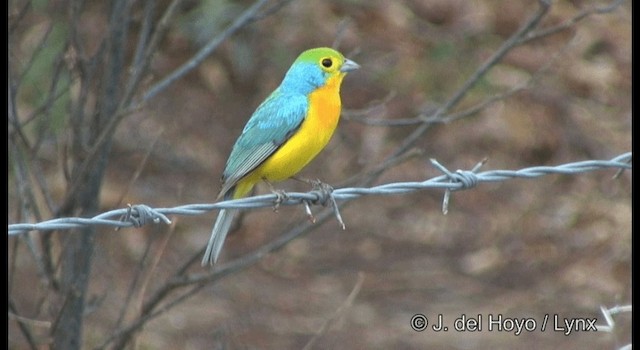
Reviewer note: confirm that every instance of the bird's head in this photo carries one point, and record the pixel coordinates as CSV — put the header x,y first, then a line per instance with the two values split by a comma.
x,y
315,68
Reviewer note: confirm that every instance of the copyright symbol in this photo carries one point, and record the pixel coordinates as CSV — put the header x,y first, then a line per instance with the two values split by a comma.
x,y
419,322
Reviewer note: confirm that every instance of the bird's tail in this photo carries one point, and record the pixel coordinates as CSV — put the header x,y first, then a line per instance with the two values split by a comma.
x,y
218,235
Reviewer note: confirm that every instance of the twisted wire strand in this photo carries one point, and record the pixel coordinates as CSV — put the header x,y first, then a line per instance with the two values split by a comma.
x,y
139,215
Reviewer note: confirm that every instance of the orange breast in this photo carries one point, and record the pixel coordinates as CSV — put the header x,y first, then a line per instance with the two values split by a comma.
x,y
312,136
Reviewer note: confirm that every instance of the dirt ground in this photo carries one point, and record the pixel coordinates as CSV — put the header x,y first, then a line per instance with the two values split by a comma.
x,y
514,252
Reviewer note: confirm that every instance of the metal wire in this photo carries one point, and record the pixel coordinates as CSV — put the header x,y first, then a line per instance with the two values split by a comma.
x,y
138,215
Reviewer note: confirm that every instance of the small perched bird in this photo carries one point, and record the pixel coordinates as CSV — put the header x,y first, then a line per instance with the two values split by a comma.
x,y
285,132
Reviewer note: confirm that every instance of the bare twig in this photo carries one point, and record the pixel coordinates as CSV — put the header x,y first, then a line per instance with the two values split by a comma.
x,y
368,177
337,314
139,168
568,24
146,279
146,50
23,322
246,17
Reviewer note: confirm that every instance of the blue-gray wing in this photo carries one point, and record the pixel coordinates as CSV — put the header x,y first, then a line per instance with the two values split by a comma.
x,y
270,126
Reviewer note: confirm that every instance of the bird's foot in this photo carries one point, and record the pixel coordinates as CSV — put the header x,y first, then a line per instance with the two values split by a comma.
x,y
281,195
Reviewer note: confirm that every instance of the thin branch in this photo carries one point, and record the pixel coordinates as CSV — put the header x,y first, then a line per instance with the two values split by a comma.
x,y
139,168
369,177
270,11
125,110
535,35
22,324
143,56
197,281
15,21
246,17
125,334
154,265
145,33
42,45
337,314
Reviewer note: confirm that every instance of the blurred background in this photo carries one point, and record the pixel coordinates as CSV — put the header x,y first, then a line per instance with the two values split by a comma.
x,y
558,244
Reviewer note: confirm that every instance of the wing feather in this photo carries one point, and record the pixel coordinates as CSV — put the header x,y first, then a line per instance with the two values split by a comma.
x,y
270,126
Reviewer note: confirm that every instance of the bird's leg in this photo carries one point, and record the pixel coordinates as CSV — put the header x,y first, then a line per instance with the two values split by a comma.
x,y
281,195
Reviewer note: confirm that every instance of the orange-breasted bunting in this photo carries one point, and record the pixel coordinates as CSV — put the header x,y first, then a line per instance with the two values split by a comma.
x,y
284,133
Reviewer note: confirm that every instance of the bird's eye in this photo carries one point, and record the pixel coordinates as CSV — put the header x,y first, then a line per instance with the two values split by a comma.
x,y
327,62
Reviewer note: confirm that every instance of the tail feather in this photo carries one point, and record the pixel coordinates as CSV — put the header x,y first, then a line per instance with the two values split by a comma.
x,y
218,235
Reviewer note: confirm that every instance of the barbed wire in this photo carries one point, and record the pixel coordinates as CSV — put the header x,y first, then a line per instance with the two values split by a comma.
x,y
140,214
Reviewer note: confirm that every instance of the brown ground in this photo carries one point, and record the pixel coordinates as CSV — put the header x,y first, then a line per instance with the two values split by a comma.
x,y
556,245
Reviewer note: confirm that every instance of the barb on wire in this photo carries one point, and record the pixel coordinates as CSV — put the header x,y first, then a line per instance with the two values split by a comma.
x,y
325,197
608,317
468,180
139,215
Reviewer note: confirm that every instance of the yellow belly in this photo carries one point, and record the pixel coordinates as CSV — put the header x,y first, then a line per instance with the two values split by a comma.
x,y
312,136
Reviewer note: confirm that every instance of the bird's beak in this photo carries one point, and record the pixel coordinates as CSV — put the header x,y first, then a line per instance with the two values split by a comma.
x,y
349,66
